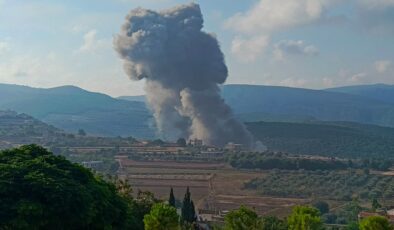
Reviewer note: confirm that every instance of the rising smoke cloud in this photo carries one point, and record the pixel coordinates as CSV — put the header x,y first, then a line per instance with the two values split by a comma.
x,y
183,67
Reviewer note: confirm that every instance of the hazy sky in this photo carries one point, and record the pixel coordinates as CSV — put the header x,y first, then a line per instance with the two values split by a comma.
x,y
301,43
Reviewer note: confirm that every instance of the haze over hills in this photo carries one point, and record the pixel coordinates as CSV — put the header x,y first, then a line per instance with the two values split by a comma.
x,y
71,108
364,104
307,104
380,92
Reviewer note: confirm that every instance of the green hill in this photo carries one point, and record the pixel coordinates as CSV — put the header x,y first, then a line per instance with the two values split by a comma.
x,y
17,129
71,108
342,139
372,104
257,102
380,92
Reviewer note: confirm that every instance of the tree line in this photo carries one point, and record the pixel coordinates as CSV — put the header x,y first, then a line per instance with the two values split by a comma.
x,y
270,160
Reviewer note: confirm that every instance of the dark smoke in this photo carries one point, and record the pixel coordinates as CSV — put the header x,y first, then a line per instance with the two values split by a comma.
x,y
183,68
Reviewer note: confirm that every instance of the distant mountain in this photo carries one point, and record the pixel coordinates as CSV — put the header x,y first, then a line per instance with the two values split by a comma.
x,y
380,92
372,104
289,104
340,139
71,108
140,98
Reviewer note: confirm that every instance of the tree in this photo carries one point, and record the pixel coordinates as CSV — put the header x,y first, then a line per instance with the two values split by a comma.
x,y
273,223
181,142
322,206
242,219
375,223
81,132
171,200
351,210
352,226
162,217
375,204
39,190
188,212
157,142
142,205
304,218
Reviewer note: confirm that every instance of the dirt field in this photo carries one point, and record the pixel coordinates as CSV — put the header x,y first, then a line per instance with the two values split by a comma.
x,y
213,186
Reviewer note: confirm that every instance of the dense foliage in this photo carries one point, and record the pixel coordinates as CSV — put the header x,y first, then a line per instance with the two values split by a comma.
x,y
271,160
304,218
375,223
162,217
41,191
342,139
301,218
242,218
341,185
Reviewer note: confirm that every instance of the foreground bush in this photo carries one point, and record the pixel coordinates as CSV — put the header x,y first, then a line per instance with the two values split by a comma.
x,y
375,223
39,190
304,218
162,217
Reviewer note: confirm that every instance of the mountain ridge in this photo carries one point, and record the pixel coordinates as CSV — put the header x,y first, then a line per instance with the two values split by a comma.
x,y
71,108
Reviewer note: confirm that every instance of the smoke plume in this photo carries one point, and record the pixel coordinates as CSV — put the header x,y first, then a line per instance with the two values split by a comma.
x,y
183,67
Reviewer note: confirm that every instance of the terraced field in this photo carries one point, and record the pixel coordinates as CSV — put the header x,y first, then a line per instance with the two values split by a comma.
x,y
213,186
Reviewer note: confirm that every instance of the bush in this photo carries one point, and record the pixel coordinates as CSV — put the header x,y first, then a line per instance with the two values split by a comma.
x,y
39,190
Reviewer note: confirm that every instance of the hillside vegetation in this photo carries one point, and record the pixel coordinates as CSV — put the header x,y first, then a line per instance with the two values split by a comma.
x,y
341,139
339,185
380,92
19,129
296,104
71,108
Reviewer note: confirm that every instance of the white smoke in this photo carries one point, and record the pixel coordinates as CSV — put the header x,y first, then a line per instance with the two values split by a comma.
x,y
183,67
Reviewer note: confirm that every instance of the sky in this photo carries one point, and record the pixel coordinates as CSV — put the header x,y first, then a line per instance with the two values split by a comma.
x,y
298,43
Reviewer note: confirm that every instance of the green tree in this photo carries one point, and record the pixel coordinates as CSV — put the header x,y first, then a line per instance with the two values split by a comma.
x,y
375,204
39,190
352,226
181,142
375,223
273,223
142,205
242,219
304,218
171,200
351,210
188,212
81,132
322,206
162,217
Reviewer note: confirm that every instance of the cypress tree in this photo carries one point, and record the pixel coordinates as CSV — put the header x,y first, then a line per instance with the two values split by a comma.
x,y
188,212
192,211
171,200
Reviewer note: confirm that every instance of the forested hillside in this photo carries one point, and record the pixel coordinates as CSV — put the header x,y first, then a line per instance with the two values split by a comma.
x,y
380,92
18,129
342,139
257,102
71,108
